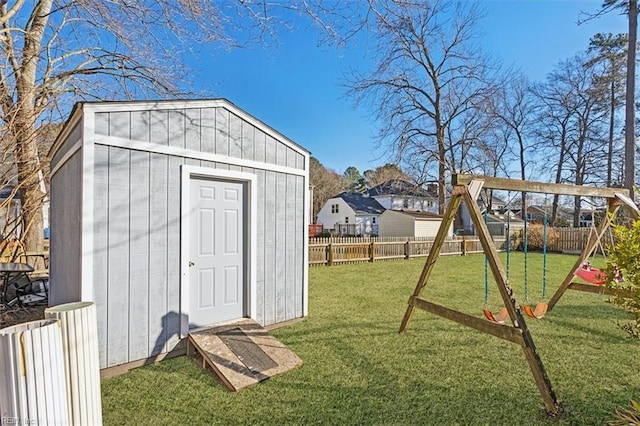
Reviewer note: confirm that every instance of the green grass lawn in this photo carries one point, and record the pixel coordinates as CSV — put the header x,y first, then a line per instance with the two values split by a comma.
x,y
359,370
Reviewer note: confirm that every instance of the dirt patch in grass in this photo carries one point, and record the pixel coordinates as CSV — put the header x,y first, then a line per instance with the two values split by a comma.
x,y
9,317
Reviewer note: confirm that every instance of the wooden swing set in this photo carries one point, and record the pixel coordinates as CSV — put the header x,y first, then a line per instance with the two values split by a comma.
x,y
466,188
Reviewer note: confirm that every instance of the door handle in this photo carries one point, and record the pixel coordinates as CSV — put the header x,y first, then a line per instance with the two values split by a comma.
x,y
191,264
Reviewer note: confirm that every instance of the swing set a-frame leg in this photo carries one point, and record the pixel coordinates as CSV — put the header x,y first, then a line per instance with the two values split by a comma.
x,y
518,332
538,371
449,215
592,242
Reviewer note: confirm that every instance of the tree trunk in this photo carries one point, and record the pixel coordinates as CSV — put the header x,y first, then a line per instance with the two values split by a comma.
x,y
442,182
23,129
31,194
612,112
629,126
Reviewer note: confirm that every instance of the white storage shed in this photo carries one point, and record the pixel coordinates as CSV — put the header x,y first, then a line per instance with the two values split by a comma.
x,y
399,223
171,215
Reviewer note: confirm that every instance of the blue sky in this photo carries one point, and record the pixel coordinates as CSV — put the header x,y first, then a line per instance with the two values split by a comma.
x,y
295,87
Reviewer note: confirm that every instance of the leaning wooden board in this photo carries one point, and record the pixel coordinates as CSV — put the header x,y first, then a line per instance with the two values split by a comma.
x,y
243,353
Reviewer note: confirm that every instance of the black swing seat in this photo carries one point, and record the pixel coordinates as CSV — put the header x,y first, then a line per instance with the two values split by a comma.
x,y
499,318
537,313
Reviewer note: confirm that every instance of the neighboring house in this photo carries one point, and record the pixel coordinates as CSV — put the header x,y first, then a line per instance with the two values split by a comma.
x,y
498,223
496,206
9,212
359,213
463,224
535,214
498,218
351,213
589,217
398,194
399,223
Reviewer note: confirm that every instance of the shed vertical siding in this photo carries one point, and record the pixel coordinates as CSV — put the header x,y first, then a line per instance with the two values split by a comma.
x,y
235,136
158,248
139,234
270,242
222,132
172,320
260,246
118,256
66,231
290,246
101,247
280,254
137,220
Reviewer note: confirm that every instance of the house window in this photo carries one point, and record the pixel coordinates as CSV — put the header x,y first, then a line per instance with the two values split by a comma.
x,y
346,220
406,203
334,208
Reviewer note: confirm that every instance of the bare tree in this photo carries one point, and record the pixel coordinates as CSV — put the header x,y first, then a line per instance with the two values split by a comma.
x,y
427,76
512,107
57,52
608,54
326,184
629,8
571,124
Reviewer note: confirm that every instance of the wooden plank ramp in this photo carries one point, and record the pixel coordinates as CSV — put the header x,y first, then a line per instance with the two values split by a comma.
x,y
242,353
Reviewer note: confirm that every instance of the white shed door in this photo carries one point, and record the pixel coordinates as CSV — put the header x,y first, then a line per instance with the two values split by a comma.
x,y
217,290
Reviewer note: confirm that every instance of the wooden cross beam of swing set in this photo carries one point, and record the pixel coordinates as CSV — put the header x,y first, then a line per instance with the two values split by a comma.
x,y
466,188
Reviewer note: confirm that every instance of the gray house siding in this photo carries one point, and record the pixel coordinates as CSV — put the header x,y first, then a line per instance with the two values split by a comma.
x,y
137,221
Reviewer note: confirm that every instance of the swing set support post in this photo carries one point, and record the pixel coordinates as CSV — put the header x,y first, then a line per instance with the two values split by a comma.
x,y
528,347
592,242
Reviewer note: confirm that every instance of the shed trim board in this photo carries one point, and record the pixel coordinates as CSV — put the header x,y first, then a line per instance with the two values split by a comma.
x,y
187,173
189,153
88,163
306,217
75,148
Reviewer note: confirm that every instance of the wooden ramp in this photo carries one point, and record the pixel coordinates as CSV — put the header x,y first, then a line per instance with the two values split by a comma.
x,y
241,354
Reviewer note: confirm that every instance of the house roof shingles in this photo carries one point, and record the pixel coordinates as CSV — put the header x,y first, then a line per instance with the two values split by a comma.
x,y
361,204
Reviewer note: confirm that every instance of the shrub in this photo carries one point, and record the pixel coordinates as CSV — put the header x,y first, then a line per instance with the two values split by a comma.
x,y
624,258
535,237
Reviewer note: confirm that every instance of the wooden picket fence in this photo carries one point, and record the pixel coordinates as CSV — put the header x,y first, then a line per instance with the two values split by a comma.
x,y
340,250
334,251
